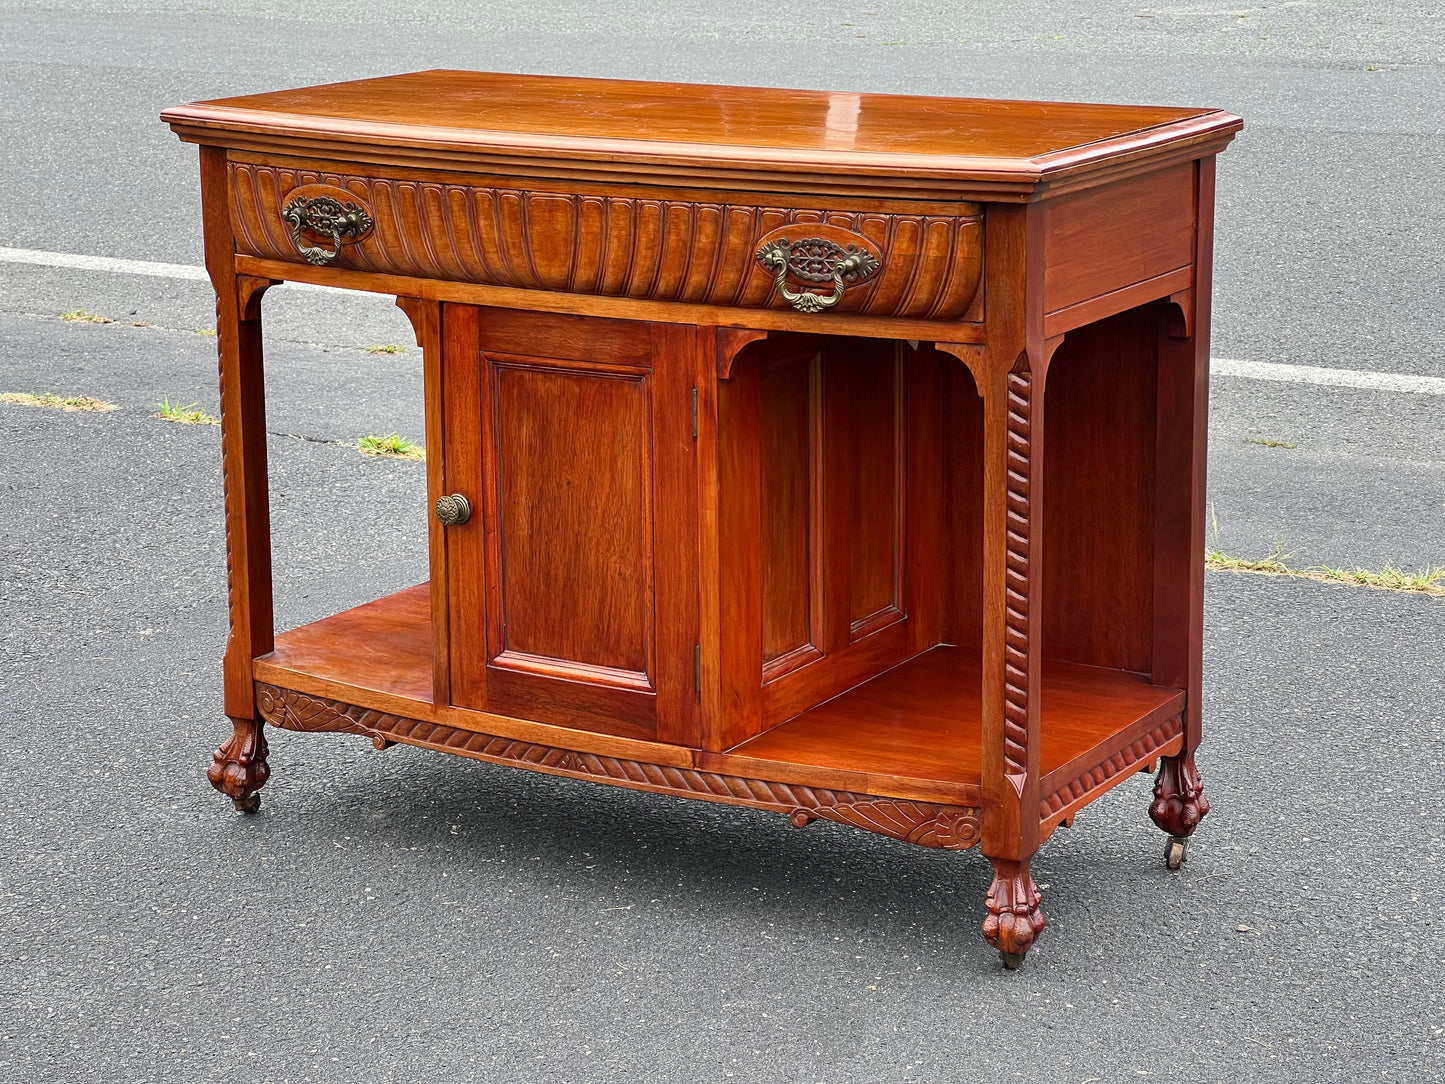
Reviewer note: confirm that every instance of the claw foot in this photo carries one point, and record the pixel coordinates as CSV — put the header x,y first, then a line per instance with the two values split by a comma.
x,y
1179,802
1015,918
238,768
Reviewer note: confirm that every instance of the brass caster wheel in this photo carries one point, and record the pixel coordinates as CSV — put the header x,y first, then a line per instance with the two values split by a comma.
x,y
1012,961
1176,851
249,804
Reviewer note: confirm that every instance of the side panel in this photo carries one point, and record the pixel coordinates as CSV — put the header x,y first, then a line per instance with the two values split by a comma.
x,y
962,561
1098,540
1105,239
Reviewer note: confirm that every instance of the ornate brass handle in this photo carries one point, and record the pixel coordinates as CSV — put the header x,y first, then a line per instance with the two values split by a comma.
x,y
815,259
453,510
324,216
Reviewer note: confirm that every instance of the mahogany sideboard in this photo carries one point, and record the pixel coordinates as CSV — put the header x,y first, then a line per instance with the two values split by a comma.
x,y
834,454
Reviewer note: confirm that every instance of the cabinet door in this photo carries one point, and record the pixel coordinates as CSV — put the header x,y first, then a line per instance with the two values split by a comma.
x,y
572,593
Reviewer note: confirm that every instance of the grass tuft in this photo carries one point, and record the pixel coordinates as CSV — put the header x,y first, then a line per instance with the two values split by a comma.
x,y
1273,563
385,348
80,316
185,415
73,402
1264,442
390,445
1430,580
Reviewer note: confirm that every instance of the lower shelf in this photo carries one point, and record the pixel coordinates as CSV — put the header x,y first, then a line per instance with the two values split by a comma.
x,y
913,732
924,719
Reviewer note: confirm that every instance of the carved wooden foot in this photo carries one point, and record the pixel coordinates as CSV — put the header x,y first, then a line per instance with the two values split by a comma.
x,y
1179,804
1015,918
238,768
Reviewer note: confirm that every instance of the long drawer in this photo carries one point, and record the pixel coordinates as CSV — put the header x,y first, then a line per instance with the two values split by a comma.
x,y
736,249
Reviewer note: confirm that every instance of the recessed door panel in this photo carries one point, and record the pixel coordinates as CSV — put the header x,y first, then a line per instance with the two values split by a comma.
x,y
573,530
789,429
864,457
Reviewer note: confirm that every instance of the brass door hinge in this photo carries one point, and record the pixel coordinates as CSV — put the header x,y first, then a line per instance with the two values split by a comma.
x,y
694,413
697,668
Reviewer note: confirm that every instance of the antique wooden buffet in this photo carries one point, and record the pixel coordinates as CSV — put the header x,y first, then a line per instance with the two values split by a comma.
x,y
834,454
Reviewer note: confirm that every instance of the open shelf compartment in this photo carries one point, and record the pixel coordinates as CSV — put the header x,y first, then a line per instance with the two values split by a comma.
x,y
923,720
918,723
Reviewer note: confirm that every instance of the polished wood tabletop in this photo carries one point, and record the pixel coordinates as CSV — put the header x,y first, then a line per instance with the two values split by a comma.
x,y
761,128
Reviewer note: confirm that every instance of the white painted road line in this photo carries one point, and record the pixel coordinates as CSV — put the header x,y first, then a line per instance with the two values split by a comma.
x,y
103,263
1368,379
121,267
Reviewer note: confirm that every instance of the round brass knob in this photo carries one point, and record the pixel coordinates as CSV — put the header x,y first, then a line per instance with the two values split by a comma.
x,y
453,509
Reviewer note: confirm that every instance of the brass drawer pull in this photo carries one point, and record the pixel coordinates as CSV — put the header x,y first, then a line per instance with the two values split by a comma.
x,y
816,260
453,510
324,216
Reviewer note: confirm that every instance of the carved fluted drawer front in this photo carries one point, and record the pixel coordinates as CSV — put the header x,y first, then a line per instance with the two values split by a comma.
x,y
713,249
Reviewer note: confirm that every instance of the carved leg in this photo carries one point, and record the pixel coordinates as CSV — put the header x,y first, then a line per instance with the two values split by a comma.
x,y
1179,804
238,768
1015,918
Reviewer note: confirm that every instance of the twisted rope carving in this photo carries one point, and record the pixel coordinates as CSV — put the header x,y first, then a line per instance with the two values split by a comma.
x,y
230,472
1122,761
1016,582
942,826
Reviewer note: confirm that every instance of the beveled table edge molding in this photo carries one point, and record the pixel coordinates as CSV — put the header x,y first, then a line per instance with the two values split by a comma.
x,y
978,177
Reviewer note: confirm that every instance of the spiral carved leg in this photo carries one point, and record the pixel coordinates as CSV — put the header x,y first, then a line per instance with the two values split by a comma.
x,y
238,768
1179,804
1015,918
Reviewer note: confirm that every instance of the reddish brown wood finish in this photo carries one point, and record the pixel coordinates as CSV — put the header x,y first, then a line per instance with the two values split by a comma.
x,y
1100,494
657,244
426,321
923,720
790,497
383,647
915,731
962,455
583,535
820,139
724,546
1085,253
709,316
239,767
948,827
831,520
1181,460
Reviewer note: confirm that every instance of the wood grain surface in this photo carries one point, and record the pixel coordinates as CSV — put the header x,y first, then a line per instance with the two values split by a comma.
x,y
616,124
919,549
655,244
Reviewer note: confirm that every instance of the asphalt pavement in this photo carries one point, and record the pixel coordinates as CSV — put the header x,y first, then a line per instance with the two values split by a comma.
x,y
405,916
